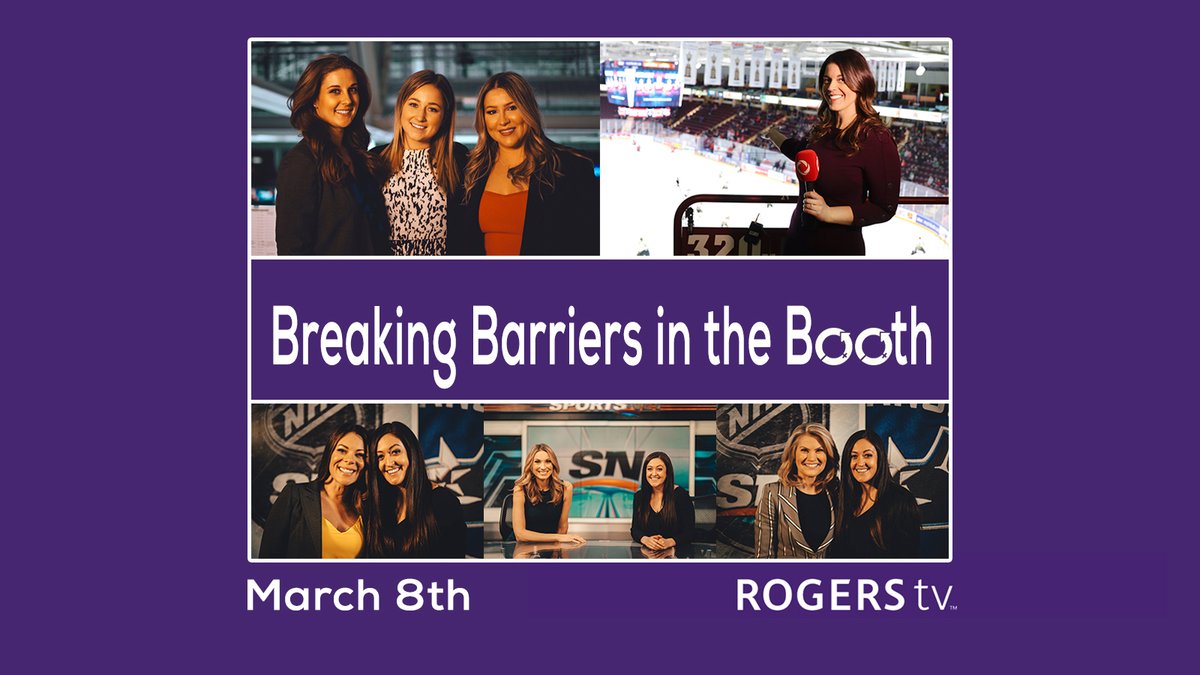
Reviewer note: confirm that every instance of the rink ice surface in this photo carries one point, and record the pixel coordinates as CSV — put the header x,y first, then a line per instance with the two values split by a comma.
x,y
638,198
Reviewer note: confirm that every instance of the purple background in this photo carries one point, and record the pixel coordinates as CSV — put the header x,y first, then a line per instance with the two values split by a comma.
x,y
851,296
126,292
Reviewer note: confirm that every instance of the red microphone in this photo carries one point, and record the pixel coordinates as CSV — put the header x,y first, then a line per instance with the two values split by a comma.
x,y
807,164
806,160
807,168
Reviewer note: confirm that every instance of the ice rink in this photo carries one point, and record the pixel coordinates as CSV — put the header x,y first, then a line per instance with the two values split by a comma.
x,y
643,181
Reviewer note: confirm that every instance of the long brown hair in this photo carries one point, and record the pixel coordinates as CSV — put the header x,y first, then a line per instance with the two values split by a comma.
x,y
442,146
852,490
383,506
641,500
533,494
541,165
856,73
337,162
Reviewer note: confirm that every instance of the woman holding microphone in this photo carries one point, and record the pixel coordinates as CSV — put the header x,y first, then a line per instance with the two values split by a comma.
x,y
858,181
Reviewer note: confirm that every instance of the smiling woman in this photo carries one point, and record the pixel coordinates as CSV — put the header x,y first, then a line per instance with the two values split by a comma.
x,y
878,517
526,194
796,515
423,191
859,179
663,514
321,518
406,517
328,200
542,501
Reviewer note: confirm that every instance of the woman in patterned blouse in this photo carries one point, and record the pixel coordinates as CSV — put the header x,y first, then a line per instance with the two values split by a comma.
x,y
423,190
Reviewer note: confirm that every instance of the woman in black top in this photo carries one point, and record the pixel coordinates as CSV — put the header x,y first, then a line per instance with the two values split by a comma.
x,y
542,501
328,200
878,517
406,517
663,515
858,182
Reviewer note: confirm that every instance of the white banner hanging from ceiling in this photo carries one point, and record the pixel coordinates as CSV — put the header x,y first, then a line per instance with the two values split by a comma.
x,y
712,72
776,80
737,71
758,64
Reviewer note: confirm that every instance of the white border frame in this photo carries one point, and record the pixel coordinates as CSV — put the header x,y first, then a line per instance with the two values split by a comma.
x,y
694,260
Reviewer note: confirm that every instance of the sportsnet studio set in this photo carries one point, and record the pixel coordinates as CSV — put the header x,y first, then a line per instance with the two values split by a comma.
x,y
720,459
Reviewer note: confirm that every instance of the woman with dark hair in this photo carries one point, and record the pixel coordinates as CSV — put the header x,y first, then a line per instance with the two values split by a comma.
x,y
858,182
542,501
328,200
322,518
663,515
424,188
878,517
406,516
526,195
796,514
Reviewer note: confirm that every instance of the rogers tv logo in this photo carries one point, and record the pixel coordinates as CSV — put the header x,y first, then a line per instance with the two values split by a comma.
x,y
845,595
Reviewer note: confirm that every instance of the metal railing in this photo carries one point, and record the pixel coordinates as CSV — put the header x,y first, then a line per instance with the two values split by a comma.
x,y
692,240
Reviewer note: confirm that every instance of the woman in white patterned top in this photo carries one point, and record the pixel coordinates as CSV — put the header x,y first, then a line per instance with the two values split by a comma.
x,y
423,190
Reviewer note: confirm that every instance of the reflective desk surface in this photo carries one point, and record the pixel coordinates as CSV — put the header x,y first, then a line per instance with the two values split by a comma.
x,y
607,550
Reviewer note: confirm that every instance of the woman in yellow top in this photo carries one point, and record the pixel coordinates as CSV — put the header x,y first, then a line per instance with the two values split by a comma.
x,y
322,518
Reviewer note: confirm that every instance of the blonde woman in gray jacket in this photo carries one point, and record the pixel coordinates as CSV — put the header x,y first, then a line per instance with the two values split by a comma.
x,y
796,515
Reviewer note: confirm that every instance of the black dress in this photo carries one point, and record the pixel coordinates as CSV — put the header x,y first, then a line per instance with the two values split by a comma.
x,y
900,524
868,182
685,519
544,516
449,538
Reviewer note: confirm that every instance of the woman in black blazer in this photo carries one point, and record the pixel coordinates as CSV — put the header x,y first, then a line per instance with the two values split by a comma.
x,y
406,517
663,515
328,200
322,518
514,167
